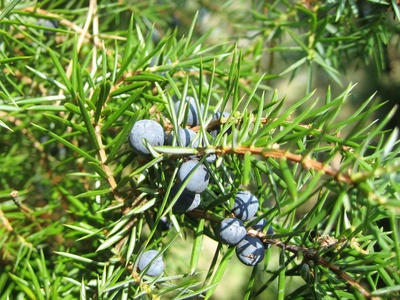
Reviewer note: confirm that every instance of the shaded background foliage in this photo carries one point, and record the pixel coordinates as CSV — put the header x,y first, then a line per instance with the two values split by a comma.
x,y
69,90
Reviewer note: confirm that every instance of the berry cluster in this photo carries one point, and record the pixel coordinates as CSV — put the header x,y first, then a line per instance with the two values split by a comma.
x,y
232,231
193,179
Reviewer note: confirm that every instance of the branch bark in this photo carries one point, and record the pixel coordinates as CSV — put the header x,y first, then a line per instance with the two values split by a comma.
x,y
305,161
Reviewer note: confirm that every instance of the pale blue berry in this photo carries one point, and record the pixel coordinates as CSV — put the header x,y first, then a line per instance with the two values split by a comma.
x,y
149,130
231,231
156,265
186,137
192,117
198,178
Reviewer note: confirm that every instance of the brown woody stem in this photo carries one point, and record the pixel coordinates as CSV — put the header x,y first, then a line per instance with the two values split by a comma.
x,y
311,254
306,162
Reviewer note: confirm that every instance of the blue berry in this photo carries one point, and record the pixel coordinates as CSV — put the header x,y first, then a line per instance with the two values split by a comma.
x,y
250,250
156,265
270,230
245,205
149,130
260,225
47,23
211,158
193,114
217,116
165,224
231,231
187,200
199,178
185,137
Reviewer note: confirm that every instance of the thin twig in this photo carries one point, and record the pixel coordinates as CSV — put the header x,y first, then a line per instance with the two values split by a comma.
x,y
82,37
305,161
311,254
5,256
95,25
28,213
106,168
64,22
5,221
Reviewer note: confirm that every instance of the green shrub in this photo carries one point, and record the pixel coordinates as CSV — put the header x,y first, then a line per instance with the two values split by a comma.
x,y
79,206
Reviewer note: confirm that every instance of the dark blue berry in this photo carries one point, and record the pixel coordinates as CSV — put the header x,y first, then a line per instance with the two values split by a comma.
x,y
245,205
186,201
250,251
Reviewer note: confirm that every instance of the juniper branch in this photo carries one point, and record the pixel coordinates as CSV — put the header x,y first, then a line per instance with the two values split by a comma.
x,y
106,168
306,162
311,254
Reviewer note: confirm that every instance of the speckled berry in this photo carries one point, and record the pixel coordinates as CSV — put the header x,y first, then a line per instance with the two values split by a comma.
x,y
250,251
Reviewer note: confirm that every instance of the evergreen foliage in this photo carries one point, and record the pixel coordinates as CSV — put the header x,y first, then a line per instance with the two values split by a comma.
x,y
78,207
